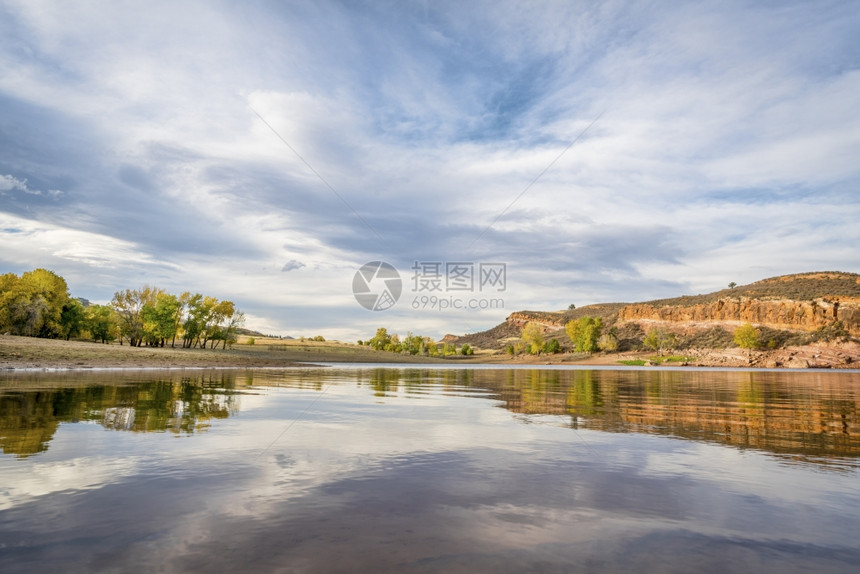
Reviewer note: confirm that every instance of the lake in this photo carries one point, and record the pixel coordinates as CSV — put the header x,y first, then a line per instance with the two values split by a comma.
x,y
413,469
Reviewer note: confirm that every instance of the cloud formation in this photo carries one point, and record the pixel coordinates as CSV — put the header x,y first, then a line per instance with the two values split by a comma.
x,y
723,152
292,265
9,183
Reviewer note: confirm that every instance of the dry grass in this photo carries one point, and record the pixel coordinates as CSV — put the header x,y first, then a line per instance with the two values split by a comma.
x,y
31,353
798,287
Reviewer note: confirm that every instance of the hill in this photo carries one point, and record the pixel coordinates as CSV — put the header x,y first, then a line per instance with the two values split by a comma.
x,y
801,302
552,321
797,309
797,287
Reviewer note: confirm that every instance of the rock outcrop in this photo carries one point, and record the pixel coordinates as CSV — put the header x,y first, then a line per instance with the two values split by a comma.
x,y
774,313
788,304
546,320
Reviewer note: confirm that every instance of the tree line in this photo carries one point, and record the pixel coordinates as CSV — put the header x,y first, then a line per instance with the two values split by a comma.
x,y
586,336
413,345
38,304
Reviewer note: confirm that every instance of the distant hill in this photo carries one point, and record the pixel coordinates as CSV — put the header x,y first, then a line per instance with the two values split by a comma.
x,y
805,302
797,287
252,333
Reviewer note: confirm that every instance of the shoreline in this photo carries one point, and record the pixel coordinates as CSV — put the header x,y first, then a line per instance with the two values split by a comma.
x,y
31,355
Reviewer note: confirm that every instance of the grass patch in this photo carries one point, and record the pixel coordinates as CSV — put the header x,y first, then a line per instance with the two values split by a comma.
x,y
672,359
656,360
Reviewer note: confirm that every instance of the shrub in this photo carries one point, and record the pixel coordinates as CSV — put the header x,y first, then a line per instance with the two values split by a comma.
x,y
584,333
552,346
659,339
532,338
746,336
608,343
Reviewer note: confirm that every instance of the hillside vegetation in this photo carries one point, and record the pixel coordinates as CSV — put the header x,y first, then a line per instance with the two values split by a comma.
x,y
798,309
797,287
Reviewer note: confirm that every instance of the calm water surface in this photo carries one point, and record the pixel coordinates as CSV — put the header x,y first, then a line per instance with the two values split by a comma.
x,y
430,470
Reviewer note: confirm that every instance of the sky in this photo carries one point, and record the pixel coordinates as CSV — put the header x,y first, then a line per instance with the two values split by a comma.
x,y
264,152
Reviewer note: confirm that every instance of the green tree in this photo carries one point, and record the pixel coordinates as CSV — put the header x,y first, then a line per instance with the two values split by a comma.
x,y
414,344
231,331
207,321
466,349
72,319
571,307
381,340
101,322
658,339
159,318
552,347
218,323
129,306
732,285
8,283
584,333
394,346
194,318
32,305
532,338
746,337
182,315
432,347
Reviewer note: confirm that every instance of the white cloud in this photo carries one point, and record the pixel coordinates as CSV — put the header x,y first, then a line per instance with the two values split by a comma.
x,y
718,137
10,183
24,239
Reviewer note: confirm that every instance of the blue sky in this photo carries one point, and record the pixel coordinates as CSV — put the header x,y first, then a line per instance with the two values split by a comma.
x,y
132,149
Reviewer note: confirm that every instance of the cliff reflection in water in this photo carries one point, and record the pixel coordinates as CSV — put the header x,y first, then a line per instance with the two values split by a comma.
x,y
809,415
806,416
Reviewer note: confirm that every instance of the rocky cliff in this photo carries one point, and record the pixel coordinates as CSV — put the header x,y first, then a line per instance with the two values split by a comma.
x,y
801,302
805,301
774,313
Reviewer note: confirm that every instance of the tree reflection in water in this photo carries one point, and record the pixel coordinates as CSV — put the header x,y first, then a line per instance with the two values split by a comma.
x,y
810,416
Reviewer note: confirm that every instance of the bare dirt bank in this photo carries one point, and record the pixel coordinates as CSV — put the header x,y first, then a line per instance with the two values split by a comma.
x,y
819,356
32,353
